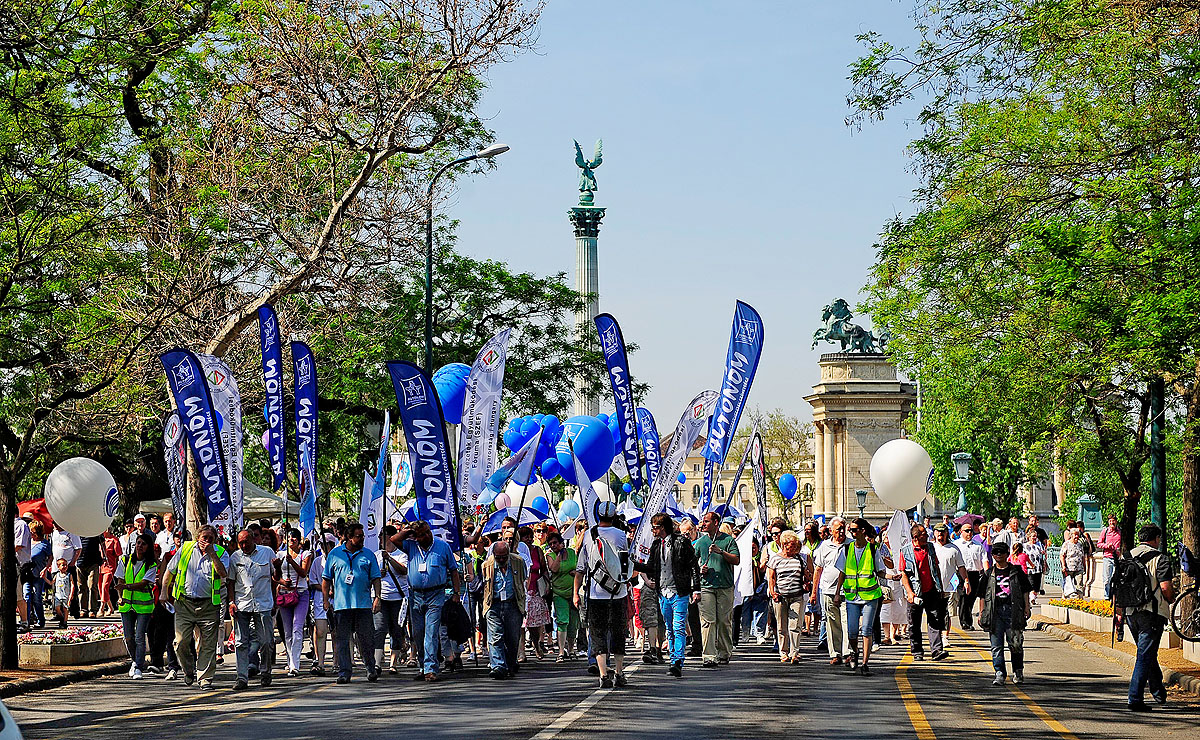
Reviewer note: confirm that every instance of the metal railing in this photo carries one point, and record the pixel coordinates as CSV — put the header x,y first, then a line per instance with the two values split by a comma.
x,y
1053,566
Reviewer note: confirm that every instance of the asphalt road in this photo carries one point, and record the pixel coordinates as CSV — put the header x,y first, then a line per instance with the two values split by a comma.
x,y
1069,693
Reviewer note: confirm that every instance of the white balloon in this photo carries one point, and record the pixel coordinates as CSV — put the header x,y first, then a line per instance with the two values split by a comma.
x,y
900,473
82,496
501,501
537,488
603,492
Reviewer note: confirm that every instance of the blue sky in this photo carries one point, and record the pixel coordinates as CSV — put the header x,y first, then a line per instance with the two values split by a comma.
x,y
728,174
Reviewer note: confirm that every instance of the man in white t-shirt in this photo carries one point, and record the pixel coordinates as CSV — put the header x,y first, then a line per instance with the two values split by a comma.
x,y
22,543
976,560
955,581
252,596
826,575
606,618
65,545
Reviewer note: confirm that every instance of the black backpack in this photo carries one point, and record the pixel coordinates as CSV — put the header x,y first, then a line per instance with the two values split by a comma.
x,y
1132,585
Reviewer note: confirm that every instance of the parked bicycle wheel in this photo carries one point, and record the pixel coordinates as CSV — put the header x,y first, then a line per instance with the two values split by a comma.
x,y
1185,615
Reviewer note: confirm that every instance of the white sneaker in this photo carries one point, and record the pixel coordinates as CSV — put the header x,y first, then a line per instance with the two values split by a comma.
x,y
132,668
171,675
135,674
762,640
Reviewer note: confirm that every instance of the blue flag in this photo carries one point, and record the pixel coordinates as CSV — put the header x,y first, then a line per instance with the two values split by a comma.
x,y
745,346
308,493
429,449
648,434
615,357
305,384
707,495
272,365
185,375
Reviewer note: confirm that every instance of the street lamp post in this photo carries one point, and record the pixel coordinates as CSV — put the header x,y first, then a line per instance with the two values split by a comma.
x,y
486,153
861,495
962,473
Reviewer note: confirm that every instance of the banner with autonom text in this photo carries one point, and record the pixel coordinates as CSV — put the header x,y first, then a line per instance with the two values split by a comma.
x,y
272,365
481,420
686,432
648,434
428,449
741,362
617,360
176,458
308,492
741,466
706,494
185,375
227,403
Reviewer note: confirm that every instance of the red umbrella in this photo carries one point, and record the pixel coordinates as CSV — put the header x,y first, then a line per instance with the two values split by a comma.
x,y
37,507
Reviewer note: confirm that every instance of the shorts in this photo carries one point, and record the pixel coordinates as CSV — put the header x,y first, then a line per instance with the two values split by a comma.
x,y
64,603
607,625
318,605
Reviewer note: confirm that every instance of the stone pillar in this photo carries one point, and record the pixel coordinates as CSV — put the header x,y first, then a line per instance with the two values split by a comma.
x,y
827,469
818,460
586,220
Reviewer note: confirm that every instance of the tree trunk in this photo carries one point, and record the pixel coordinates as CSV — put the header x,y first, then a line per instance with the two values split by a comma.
x,y
1190,528
8,574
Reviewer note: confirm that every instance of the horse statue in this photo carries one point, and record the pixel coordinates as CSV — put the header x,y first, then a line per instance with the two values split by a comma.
x,y
838,328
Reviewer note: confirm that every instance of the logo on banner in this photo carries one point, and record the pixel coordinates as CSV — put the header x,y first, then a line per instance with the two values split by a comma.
x,y
489,359
697,410
414,393
174,430
402,474
610,341
184,373
747,331
111,499
270,331
303,371
216,378
756,449
929,483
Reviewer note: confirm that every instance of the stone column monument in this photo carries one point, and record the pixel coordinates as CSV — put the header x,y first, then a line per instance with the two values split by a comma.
x,y
585,217
857,406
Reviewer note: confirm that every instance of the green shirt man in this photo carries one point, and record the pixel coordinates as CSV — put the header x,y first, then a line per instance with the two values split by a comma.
x,y
720,570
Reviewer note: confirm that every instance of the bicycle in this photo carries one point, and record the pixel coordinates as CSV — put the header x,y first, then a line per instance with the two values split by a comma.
x,y
1185,611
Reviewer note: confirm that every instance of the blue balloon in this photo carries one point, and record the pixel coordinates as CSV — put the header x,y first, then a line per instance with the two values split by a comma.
x,y
551,469
626,488
682,478
569,509
788,485
450,381
603,419
541,505
593,446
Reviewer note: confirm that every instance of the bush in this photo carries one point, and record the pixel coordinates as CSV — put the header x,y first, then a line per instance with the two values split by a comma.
x,y
1091,606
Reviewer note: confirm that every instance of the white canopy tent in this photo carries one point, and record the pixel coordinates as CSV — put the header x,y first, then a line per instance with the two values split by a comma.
x,y
256,503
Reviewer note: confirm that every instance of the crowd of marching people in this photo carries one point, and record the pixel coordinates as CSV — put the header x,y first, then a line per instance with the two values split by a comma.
x,y
568,593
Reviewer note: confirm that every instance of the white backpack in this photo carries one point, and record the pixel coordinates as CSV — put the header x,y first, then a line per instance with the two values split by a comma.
x,y
609,566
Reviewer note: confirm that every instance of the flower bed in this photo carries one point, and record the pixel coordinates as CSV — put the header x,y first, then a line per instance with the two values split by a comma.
x,y
72,636
72,647
1091,606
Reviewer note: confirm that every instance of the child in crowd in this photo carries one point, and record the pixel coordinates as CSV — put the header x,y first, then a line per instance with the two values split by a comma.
x,y
63,581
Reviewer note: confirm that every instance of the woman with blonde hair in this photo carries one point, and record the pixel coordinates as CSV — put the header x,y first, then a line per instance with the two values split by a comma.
x,y
789,579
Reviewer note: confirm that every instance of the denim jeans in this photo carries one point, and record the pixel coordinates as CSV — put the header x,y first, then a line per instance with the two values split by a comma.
x,y
504,635
35,591
360,624
1002,631
1147,629
754,617
427,625
255,633
674,612
1110,565
135,625
864,615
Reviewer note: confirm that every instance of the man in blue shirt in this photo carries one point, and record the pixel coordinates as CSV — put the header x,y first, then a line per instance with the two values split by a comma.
x,y
432,568
351,576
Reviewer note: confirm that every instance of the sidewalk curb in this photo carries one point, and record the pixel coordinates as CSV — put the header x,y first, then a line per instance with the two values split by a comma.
x,y
1190,684
41,683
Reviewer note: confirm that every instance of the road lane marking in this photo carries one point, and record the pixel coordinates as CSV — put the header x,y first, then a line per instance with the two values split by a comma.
x,y
236,715
1027,700
564,721
915,714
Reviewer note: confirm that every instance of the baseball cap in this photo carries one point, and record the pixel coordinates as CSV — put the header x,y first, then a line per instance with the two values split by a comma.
x,y
606,509
139,515
999,548
941,527
27,515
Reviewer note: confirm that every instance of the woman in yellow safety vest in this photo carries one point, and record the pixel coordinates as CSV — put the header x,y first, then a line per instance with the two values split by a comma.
x,y
862,567
136,574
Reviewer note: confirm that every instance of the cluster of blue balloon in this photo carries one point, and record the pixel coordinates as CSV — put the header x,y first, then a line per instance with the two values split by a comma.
x,y
593,438
450,381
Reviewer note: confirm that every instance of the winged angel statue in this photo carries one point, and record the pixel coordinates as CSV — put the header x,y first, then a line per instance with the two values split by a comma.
x,y
587,176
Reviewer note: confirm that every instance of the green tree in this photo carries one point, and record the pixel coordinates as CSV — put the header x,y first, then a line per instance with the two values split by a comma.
x,y
1052,257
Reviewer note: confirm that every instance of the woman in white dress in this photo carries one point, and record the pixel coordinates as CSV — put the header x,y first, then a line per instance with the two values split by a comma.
x,y
894,614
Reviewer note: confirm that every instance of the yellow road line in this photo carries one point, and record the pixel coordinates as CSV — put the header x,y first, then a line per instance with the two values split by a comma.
x,y
915,714
1027,700
236,715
